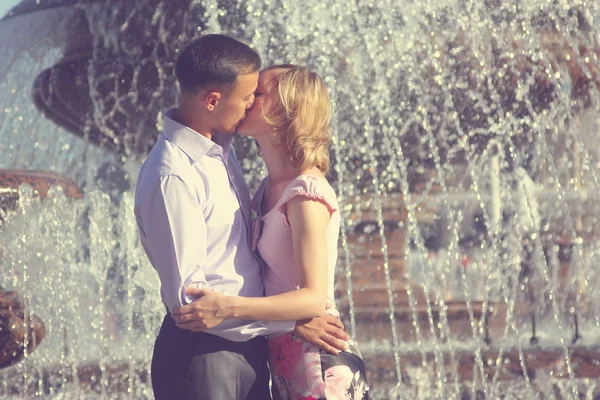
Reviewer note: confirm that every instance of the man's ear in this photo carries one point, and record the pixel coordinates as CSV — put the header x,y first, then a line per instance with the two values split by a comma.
x,y
212,99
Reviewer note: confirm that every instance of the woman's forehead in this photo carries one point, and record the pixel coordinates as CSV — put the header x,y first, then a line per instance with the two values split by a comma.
x,y
268,76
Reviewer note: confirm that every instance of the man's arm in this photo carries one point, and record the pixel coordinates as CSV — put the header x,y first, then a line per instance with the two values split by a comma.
x,y
174,236
327,331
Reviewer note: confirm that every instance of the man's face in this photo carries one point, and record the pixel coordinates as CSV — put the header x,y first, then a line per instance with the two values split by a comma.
x,y
265,102
235,103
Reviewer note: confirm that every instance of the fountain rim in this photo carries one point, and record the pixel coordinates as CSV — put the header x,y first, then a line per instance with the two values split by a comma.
x,y
26,7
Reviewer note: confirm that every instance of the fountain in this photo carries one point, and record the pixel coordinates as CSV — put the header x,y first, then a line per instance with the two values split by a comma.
x,y
464,157
20,333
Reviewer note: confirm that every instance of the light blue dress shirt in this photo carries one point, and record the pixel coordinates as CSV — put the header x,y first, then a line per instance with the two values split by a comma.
x,y
194,212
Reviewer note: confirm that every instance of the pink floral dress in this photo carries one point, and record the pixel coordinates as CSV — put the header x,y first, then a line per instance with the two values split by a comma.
x,y
300,370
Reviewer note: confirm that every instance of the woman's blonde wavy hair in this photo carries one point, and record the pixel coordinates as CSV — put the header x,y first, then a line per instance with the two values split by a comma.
x,y
302,116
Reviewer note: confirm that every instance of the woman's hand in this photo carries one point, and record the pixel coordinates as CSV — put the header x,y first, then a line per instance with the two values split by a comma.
x,y
326,332
207,311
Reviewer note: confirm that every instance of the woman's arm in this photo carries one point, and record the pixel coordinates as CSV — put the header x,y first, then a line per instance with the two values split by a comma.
x,y
308,220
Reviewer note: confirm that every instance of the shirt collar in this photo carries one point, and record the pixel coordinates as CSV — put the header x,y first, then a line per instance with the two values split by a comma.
x,y
193,143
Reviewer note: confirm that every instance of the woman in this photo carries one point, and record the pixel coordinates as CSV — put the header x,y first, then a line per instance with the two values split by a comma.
x,y
296,234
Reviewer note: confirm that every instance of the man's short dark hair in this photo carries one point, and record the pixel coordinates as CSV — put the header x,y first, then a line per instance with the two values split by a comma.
x,y
214,60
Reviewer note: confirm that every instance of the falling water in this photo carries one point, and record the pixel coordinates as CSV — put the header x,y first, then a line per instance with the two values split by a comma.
x,y
464,157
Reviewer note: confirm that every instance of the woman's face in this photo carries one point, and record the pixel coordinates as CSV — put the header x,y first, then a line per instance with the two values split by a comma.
x,y
265,100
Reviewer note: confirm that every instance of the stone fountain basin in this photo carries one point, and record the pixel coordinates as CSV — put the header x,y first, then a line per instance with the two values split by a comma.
x,y
39,181
28,30
20,331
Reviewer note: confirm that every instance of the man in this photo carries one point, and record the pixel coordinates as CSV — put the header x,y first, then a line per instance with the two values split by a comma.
x,y
193,212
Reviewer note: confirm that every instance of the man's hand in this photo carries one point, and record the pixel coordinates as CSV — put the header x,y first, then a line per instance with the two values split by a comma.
x,y
201,314
326,332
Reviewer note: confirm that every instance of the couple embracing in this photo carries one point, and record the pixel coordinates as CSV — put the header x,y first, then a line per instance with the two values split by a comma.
x,y
249,297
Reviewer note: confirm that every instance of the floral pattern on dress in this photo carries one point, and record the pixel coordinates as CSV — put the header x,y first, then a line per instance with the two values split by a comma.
x,y
286,354
302,371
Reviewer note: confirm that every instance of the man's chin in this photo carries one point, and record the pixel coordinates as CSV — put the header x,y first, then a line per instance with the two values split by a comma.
x,y
241,130
230,130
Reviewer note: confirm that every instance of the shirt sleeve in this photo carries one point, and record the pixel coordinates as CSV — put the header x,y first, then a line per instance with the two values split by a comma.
x,y
171,221
311,187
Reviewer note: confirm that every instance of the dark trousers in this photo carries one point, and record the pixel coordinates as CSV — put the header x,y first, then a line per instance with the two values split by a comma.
x,y
196,365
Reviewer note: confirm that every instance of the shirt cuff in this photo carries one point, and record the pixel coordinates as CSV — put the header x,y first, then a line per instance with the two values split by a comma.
x,y
188,299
